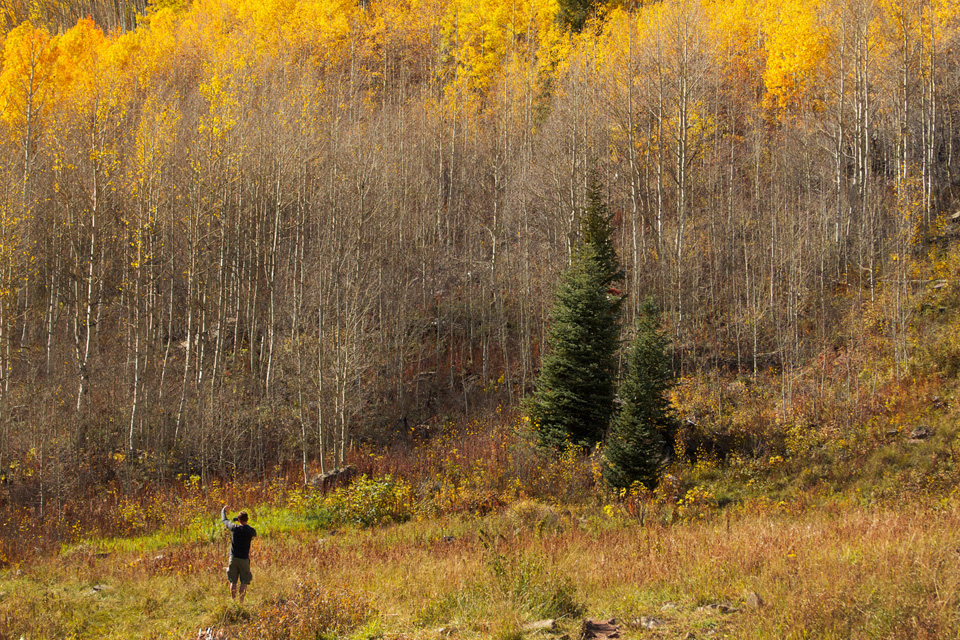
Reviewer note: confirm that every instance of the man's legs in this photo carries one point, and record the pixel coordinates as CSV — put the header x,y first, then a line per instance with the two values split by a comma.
x,y
245,577
239,571
233,574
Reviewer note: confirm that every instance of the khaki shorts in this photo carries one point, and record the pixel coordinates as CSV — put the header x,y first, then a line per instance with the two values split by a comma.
x,y
239,568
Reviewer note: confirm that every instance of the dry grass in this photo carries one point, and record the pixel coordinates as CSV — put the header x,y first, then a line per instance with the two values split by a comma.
x,y
839,571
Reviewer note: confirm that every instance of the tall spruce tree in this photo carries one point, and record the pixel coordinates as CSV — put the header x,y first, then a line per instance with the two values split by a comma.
x,y
574,397
645,422
596,231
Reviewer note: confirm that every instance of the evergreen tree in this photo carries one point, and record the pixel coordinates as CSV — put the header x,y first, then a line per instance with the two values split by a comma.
x,y
574,13
574,397
596,230
645,421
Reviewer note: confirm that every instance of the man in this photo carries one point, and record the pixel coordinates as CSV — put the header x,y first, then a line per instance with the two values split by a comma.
x,y
241,534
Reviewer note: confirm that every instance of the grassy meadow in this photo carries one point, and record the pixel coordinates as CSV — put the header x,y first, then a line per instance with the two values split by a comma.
x,y
496,539
843,571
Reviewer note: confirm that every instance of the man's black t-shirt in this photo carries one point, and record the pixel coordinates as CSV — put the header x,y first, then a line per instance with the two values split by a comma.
x,y
240,537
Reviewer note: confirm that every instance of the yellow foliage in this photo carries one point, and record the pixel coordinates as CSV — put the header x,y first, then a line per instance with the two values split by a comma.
x,y
403,28
29,58
734,26
797,43
155,137
481,35
940,17
697,503
324,25
158,43
79,59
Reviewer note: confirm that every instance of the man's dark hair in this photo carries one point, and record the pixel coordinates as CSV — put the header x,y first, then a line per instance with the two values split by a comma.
x,y
242,516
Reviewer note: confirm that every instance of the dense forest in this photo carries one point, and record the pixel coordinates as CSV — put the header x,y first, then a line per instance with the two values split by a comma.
x,y
237,234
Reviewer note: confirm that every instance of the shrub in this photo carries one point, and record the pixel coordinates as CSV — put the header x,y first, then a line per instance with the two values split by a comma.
x,y
368,502
698,503
528,515
517,585
313,612
528,586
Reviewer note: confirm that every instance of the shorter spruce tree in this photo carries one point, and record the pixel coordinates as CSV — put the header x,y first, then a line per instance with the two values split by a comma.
x,y
645,422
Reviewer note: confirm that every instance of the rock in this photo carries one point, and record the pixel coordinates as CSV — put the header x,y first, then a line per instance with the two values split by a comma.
x,y
921,433
753,601
720,607
540,625
651,622
336,478
599,629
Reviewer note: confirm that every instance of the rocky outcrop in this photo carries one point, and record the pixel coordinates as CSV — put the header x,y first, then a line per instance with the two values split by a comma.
x,y
337,478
